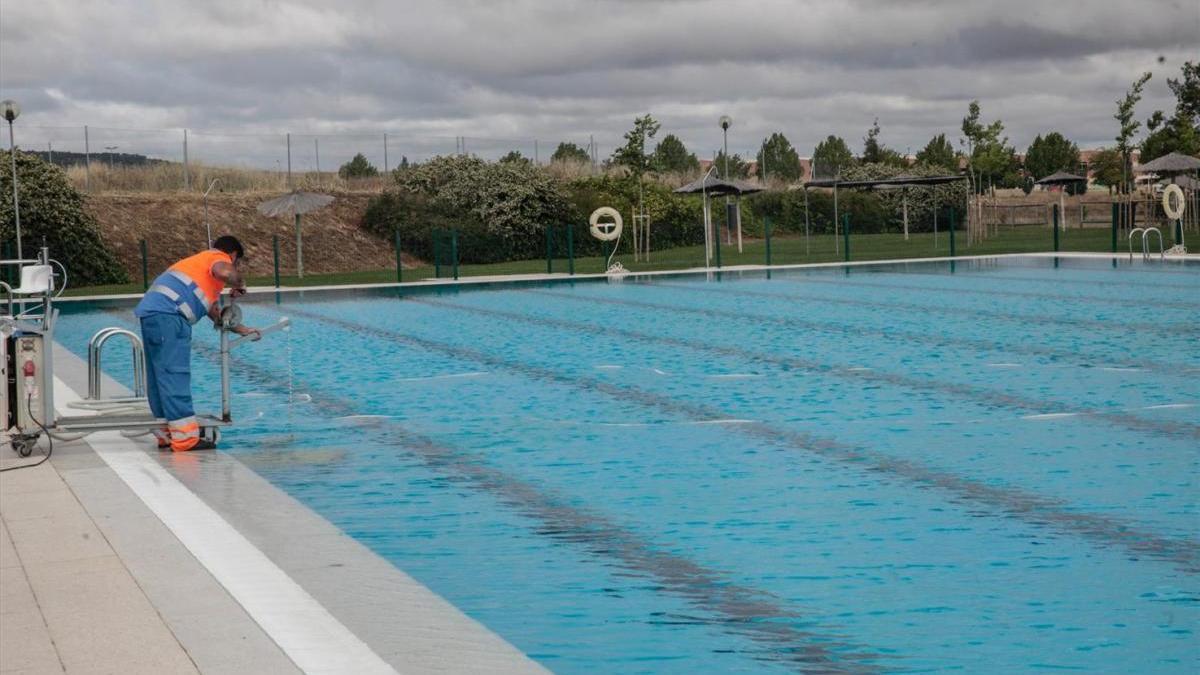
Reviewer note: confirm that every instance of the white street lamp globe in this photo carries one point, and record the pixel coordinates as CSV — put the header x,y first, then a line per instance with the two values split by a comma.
x,y
11,109
726,121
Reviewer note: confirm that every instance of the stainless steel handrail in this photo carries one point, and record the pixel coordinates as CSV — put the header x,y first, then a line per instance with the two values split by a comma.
x,y
95,347
1131,233
1146,244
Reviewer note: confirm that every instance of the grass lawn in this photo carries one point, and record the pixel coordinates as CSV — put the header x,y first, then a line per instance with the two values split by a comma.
x,y
785,250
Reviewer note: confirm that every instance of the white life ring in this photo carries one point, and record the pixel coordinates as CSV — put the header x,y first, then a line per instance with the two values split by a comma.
x,y
1173,207
606,231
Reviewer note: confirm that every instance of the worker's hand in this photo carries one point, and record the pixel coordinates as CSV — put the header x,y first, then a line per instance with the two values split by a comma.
x,y
254,333
237,292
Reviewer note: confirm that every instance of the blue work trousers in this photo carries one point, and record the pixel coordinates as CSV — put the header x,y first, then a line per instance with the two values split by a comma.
x,y
168,343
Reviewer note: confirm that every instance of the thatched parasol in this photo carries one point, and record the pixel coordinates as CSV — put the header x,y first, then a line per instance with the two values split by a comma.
x,y
295,203
1174,162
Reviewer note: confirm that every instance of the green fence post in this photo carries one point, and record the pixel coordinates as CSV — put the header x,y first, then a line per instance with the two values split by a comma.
x,y
454,250
145,267
437,258
1054,211
1132,215
400,275
549,264
846,234
275,249
570,249
1115,218
717,243
767,230
953,226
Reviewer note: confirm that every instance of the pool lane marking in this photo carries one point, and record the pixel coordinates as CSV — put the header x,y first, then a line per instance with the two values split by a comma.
x,y
973,273
310,636
1170,330
959,290
834,329
1031,508
967,391
741,611
449,376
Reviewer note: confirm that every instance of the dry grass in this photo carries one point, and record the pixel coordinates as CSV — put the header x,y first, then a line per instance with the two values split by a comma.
x,y
168,177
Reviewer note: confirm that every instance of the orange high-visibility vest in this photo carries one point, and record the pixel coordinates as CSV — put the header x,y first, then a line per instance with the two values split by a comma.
x,y
199,269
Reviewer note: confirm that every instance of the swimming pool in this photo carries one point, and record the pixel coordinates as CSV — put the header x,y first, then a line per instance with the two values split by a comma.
x,y
886,467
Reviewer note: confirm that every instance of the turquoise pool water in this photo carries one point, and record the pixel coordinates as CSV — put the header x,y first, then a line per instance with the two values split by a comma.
x,y
885,468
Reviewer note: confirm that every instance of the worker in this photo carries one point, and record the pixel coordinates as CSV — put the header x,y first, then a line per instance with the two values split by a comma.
x,y
177,299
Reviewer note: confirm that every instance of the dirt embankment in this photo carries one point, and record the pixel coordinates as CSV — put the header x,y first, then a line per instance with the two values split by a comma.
x,y
173,227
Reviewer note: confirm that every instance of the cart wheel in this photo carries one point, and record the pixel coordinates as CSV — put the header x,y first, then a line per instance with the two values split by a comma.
x,y
211,433
22,446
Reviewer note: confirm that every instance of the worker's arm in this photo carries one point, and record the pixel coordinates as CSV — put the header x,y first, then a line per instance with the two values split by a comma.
x,y
232,277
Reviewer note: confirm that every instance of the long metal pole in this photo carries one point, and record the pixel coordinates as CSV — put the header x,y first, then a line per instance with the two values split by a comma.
x,y
186,178
299,250
385,157
728,225
317,150
12,154
289,158
87,162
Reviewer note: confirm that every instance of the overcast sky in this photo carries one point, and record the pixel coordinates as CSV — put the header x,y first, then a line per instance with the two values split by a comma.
x,y
565,69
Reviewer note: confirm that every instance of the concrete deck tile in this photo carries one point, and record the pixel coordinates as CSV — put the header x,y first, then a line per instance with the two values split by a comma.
x,y
15,595
68,536
34,479
8,554
25,645
41,504
100,620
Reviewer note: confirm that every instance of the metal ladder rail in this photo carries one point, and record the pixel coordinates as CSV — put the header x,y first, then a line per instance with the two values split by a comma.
x,y
1131,233
1146,243
95,375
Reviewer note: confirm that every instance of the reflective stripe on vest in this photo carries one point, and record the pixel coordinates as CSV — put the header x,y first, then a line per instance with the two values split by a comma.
x,y
183,292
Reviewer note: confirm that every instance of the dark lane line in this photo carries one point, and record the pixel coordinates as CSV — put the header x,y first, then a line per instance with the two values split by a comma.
x,y
1171,330
1123,302
736,609
983,274
977,394
1027,507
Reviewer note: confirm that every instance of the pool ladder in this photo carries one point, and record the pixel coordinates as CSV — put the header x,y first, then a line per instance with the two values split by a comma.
x,y
95,399
1146,242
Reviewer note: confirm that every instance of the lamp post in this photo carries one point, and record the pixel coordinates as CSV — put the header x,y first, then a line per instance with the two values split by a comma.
x,y
726,121
11,111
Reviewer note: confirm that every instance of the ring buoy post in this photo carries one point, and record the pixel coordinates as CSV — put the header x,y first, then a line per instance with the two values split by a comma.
x,y
1174,205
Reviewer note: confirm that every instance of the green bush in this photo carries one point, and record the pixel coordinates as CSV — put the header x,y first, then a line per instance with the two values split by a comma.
x,y
53,212
502,210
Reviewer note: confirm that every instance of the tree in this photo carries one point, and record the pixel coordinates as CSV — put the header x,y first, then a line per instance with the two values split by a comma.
x,y
1050,154
514,156
938,152
672,156
53,211
830,157
1180,132
738,168
569,152
358,167
778,160
1128,128
875,152
633,153
1187,92
990,160
1105,168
